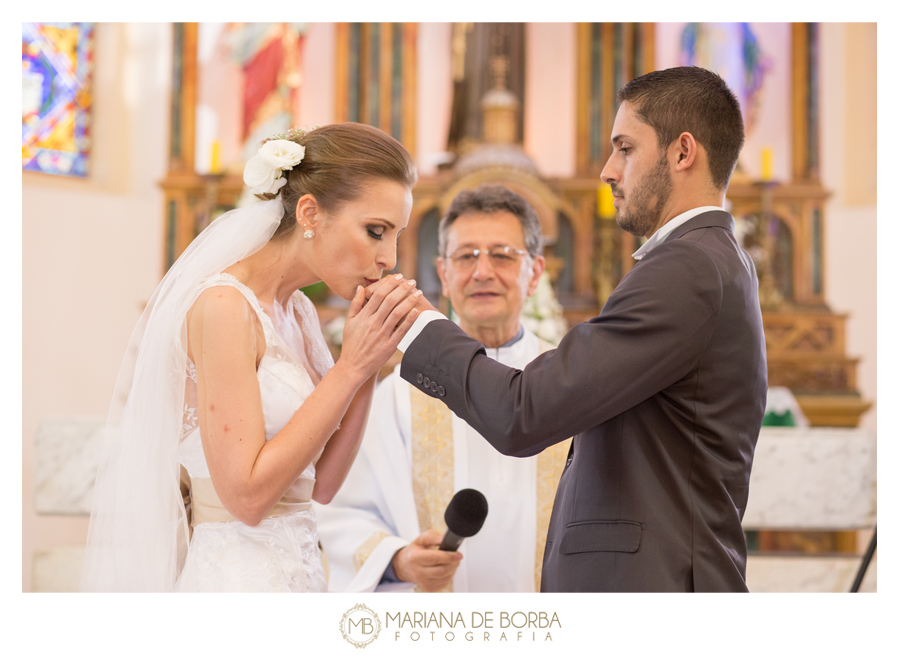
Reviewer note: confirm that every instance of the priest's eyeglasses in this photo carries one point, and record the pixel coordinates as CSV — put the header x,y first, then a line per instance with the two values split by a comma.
x,y
500,258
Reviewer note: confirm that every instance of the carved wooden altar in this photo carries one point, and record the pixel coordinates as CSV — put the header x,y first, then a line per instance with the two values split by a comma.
x,y
805,340
587,253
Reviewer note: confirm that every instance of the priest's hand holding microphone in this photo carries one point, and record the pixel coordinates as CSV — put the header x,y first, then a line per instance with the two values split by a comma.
x,y
422,564
431,560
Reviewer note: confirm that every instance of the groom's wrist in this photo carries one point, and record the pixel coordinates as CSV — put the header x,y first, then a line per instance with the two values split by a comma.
x,y
421,322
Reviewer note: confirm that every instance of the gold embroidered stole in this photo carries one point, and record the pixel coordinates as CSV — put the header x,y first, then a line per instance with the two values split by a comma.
x,y
550,467
432,462
432,470
551,463
365,550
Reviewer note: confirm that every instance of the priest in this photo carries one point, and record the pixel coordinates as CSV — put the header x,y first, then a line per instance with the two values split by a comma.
x,y
382,529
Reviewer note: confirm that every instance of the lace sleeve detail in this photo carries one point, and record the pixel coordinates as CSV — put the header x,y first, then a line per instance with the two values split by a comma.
x,y
189,414
320,355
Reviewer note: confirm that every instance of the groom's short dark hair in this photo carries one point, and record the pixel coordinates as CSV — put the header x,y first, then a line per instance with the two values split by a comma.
x,y
694,100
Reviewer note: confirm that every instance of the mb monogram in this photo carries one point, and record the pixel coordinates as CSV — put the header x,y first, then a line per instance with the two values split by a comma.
x,y
361,625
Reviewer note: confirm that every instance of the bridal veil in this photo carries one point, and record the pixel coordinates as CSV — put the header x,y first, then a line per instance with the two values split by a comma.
x,y
138,534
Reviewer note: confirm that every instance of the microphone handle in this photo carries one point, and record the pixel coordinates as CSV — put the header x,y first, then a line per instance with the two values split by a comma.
x,y
451,541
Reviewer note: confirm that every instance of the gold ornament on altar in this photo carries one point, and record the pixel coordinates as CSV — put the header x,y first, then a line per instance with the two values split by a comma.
x,y
500,106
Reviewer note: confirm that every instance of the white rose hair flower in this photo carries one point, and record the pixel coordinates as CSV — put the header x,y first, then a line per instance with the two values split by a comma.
x,y
281,153
263,172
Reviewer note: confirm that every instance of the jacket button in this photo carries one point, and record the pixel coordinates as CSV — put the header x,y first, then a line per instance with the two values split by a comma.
x,y
426,383
419,378
434,387
441,391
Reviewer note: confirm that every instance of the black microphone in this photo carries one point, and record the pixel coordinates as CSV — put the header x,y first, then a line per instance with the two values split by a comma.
x,y
464,517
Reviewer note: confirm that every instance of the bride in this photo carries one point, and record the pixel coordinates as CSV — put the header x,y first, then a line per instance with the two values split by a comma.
x,y
229,415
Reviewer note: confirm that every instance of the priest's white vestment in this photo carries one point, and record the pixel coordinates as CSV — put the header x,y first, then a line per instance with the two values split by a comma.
x,y
415,455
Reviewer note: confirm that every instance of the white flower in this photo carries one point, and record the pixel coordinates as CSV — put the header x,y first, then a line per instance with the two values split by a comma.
x,y
543,314
261,177
548,328
281,153
274,186
263,173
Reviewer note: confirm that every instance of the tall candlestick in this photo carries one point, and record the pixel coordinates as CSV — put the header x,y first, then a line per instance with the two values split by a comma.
x,y
214,166
605,206
766,163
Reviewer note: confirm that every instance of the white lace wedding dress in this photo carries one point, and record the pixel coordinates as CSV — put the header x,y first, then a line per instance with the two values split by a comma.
x,y
280,554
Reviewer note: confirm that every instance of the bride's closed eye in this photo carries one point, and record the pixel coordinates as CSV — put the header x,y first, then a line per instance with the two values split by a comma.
x,y
376,232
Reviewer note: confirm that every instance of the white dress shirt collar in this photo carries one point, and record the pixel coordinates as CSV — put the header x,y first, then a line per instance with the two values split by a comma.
x,y
663,231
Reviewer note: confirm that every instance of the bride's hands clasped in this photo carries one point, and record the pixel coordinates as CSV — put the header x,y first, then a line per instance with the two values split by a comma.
x,y
377,321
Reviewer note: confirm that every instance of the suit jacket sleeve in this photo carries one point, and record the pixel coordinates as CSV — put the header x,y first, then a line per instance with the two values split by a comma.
x,y
649,335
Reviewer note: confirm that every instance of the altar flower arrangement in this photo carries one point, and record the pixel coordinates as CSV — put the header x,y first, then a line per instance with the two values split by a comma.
x,y
263,172
542,314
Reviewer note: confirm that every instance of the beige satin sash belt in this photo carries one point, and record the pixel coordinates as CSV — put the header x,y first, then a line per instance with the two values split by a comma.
x,y
207,508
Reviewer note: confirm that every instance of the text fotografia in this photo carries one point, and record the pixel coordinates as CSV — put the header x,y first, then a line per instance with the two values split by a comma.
x,y
478,626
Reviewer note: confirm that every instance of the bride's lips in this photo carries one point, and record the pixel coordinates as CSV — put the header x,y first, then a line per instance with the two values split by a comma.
x,y
369,282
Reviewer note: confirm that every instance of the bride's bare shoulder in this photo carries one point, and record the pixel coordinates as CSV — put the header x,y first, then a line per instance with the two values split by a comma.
x,y
221,304
223,317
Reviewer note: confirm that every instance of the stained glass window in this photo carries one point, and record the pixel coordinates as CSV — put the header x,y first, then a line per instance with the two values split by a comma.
x,y
56,97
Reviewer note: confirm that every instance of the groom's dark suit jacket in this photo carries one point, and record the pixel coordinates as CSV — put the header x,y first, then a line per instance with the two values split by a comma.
x,y
664,392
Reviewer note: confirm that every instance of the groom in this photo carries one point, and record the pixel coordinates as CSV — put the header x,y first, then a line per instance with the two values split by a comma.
x,y
664,390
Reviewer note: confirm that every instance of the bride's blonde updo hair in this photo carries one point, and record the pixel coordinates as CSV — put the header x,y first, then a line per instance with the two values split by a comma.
x,y
339,160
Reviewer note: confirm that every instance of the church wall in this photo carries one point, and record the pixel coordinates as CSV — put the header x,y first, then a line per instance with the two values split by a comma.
x,y
91,255
549,112
848,147
434,94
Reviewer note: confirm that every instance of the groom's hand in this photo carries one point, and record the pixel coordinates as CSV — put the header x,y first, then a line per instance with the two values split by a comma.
x,y
424,305
423,564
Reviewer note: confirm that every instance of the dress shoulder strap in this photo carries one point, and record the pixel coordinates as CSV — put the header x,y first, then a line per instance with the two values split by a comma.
x,y
224,279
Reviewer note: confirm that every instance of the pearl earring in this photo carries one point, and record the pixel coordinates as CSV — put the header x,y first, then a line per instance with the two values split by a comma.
x,y
309,235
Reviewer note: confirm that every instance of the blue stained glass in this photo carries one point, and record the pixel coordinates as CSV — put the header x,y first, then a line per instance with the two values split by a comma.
x,y
56,97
